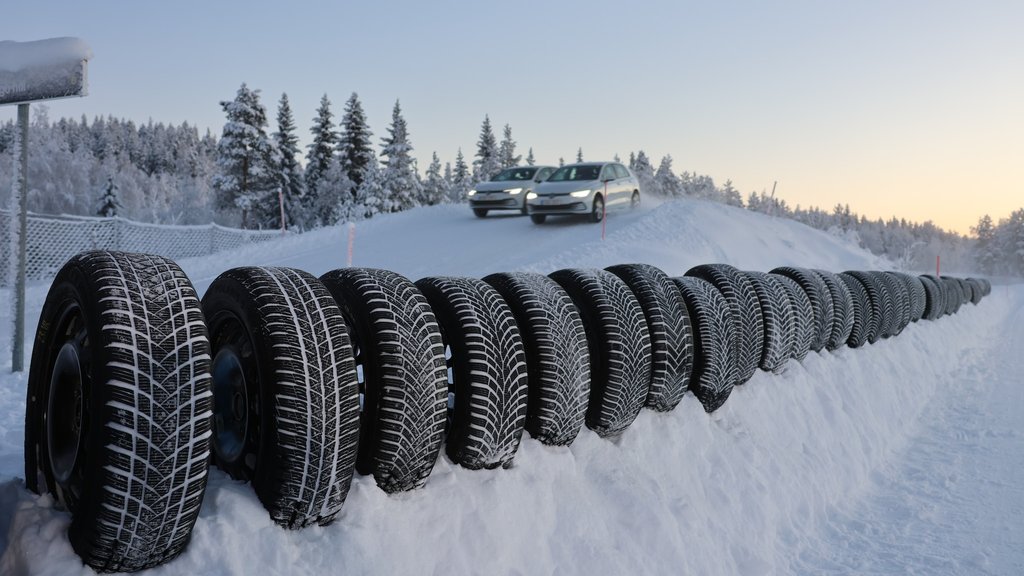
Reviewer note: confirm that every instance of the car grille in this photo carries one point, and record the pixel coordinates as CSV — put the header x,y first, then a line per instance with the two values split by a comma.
x,y
557,207
507,203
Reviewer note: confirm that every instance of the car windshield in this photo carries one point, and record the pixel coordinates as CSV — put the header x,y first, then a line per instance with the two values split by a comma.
x,y
577,173
512,174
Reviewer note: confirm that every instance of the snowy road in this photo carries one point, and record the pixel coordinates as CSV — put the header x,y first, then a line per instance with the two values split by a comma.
x,y
954,502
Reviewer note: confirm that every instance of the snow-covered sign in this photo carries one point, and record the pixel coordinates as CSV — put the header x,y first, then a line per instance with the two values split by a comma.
x,y
42,69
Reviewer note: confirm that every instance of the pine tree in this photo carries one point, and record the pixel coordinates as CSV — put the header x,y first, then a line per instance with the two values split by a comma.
x,y
507,150
290,176
487,162
530,161
643,170
318,161
435,186
246,157
110,205
579,155
370,194
400,180
333,202
666,183
731,195
355,148
985,248
462,180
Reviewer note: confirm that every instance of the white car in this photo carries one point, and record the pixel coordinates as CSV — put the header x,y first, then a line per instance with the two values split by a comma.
x,y
588,188
507,190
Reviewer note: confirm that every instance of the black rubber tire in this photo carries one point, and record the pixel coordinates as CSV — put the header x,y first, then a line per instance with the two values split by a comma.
x,y
634,200
480,212
842,310
955,293
977,290
888,315
668,323
965,291
557,357
488,371
821,302
117,415
597,209
915,294
861,310
778,321
284,373
619,347
714,368
538,218
933,297
399,353
901,301
803,317
741,296
876,305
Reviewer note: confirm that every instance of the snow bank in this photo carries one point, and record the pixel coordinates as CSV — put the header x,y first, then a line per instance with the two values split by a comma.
x,y
737,492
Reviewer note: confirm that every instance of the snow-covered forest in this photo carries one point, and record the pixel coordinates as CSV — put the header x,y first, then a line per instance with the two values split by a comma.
x,y
254,173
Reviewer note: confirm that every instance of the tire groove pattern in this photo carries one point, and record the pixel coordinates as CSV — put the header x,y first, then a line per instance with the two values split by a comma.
x,y
715,370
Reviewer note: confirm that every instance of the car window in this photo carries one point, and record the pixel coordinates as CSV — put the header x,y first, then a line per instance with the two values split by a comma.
x,y
583,172
608,173
621,171
517,173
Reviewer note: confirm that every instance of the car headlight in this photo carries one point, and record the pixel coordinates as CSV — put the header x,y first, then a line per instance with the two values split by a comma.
x,y
580,194
531,195
471,193
514,190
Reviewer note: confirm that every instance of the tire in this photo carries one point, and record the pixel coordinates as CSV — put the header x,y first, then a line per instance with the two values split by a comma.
x,y
480,212
933,297
742,298
557,361
861,310
634,200
873,317
888,316
778,322
117,414
915,294
803,316
538,218
842,310
901,302
286,396
597,209
488,371
619,347
668,324
820,299
714,368
399,353
977,290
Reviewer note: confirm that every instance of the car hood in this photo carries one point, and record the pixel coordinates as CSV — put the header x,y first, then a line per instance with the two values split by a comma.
x,y
498,186
549,188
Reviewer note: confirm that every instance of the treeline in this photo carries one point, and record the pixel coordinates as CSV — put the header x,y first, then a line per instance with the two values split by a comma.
x,y
1000,247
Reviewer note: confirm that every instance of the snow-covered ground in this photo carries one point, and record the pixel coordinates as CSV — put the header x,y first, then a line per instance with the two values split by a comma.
x,y
901,457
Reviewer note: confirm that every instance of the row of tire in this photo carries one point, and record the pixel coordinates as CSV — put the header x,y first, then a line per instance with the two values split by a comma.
x,y
293,382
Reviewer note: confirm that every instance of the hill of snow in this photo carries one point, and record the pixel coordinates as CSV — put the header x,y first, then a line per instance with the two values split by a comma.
x,y
823,469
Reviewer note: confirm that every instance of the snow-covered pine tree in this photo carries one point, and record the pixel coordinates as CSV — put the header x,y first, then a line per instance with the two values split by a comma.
x,y
487,162
731,196
643,170
530,161
334,201
370,194
985,247
666,182
246,158
291,180
435,186
400,180
579,155
318,161
110,205
462,179
507,149
355,147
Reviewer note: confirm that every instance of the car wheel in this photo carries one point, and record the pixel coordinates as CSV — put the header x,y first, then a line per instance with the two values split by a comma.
x,y
597,211
524,211
480,212
634,201
538,218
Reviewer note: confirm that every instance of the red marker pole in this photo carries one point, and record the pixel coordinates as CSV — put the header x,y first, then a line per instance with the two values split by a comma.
x,y
937,265
604,209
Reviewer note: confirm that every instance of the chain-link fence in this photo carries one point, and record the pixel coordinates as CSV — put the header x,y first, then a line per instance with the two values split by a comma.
x,y
54,239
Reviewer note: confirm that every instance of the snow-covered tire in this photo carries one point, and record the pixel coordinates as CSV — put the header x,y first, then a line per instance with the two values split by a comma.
x,y
778,321
619,345
557,357
842,310
117,415
935,299
399,354
742,298
715,369
977,290
668,323
286,398
954,295
820,298
803,316
875,311
861,310
488,370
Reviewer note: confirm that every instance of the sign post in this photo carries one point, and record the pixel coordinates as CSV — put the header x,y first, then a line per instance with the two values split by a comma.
x,y
29,72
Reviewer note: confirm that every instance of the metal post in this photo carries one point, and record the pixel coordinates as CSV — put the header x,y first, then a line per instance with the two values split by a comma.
x,y
18,346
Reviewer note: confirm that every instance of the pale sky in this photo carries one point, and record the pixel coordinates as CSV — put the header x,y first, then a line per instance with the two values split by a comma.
x,y
906,108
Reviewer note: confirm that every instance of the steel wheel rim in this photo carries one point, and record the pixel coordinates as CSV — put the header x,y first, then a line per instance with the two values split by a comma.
x,y
230,404
64,412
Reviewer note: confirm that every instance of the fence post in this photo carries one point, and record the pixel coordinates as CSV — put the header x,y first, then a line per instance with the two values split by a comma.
x,y
18,346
